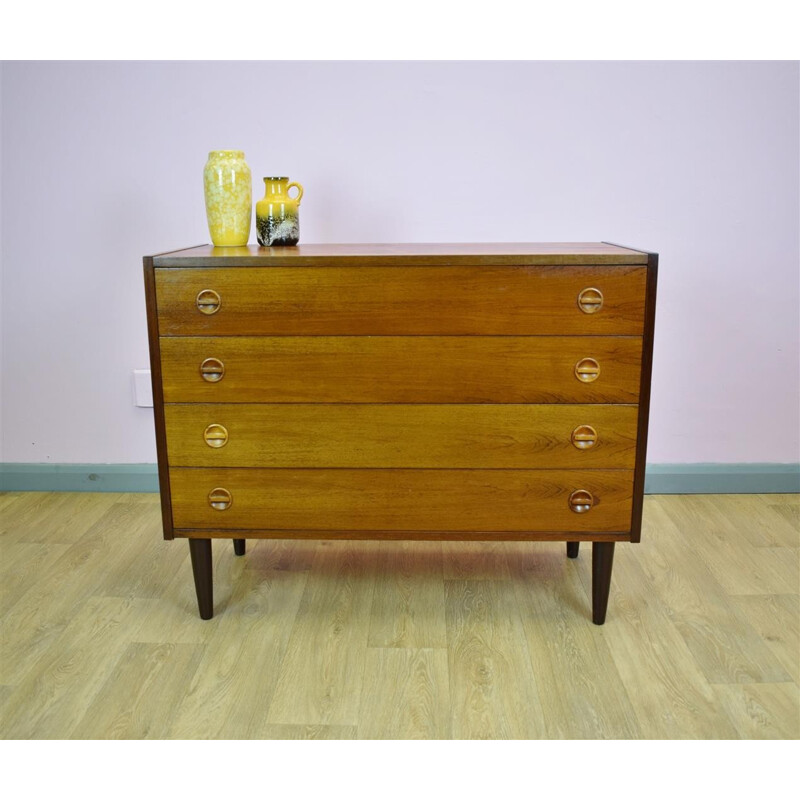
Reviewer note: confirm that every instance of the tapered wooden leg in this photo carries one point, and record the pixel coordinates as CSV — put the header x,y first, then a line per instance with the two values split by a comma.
x,y
602,561
200,550
572,549
239,546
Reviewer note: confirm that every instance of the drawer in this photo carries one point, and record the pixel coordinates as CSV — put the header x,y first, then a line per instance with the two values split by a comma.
x,y
398,369
421,436
345,300
400,499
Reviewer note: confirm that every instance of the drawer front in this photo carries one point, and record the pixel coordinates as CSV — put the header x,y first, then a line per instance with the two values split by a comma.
x,y
400,499
396,369
345,300
421,436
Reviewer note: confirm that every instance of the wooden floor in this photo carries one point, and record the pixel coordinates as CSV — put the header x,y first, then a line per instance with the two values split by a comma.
x,y
338,640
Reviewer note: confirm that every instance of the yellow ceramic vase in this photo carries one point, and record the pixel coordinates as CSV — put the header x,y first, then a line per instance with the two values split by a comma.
x,y
229,197
277,214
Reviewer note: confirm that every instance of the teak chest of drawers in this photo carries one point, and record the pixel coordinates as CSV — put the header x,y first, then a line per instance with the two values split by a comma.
x,y
487,391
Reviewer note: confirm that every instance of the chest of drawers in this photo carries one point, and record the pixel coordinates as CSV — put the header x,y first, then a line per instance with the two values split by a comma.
x,y
483,392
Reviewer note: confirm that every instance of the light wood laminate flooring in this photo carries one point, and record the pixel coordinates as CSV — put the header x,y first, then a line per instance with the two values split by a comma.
x,y
436,640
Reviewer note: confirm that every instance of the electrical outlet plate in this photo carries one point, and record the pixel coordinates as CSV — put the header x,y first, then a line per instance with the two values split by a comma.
x,y
142,388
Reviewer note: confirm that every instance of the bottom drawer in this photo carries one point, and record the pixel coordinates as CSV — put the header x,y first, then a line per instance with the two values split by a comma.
x,y
402,499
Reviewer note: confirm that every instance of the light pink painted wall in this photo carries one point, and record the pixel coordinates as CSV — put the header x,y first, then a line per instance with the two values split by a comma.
x,y
102,163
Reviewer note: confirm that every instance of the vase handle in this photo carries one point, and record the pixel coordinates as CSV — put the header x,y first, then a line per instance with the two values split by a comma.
x,y
299,191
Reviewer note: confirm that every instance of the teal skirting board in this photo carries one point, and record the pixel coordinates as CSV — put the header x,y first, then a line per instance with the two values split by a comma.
x,y
660,478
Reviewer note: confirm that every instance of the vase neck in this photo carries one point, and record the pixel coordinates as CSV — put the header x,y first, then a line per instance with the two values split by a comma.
x,y
275,187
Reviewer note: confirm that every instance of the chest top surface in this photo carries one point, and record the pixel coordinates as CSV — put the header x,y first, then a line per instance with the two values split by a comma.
x,y
479,254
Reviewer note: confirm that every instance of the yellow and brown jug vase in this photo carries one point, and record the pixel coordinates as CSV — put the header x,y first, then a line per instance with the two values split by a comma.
x,y
277,214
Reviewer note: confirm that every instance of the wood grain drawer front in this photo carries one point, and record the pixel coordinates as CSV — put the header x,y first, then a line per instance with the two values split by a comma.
x,y
421,436
344,300
399,499
397,369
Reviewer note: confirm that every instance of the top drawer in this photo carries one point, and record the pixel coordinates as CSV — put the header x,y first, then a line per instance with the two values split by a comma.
x,y
347,300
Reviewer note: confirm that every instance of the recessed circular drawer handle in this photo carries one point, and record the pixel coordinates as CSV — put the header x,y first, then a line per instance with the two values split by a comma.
x,y
208,302
584,437
220,499
590,300
216,435
212,370
581,501
587,370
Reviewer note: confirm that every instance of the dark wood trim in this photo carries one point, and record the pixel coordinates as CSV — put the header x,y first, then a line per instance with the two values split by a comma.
x,y
644,398
158,396
602,563
200,552
472,536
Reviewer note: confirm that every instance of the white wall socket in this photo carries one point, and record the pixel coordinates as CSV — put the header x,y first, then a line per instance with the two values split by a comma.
x,y
142,388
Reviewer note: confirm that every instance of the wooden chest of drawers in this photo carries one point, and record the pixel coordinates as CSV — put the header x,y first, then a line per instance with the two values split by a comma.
x,y
402,392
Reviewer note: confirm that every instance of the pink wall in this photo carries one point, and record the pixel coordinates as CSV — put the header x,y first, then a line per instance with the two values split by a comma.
x,y
102,163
